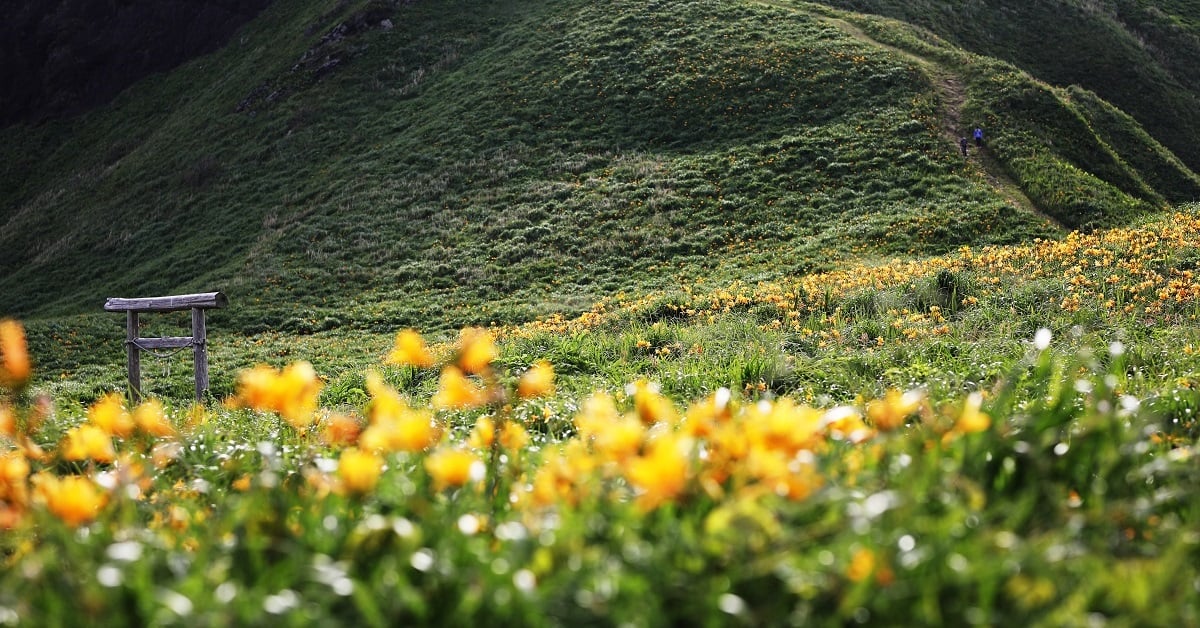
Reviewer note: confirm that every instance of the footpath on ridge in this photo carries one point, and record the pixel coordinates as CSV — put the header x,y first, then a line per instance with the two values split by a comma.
x,y
951,96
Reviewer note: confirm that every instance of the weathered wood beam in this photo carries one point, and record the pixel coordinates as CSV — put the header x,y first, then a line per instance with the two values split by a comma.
x,y
170,342
203,300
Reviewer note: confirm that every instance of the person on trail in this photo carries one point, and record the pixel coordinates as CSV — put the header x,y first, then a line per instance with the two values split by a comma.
x,y
978,137
962,144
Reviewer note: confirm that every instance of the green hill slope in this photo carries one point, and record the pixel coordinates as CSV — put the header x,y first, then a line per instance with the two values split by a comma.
x,y
485,161
1141,55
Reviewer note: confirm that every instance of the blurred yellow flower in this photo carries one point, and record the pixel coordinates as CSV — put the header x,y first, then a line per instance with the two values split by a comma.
x,y
88,442
292,392
340,430
661,474
972,418
846,423
394,426
14,469
483,434
413,430
386,403
476,350
8,421
149,418
359,470
109,414
514,437
411,350
703,416
75,500
14,355
889,413
619,440
457,391
538,381
453,468
784,426
597,411
651,406
862,565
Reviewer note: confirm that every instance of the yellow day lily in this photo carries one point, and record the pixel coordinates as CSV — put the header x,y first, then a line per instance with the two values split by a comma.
x,y
411,350
538,381
14,355
359,470
75,500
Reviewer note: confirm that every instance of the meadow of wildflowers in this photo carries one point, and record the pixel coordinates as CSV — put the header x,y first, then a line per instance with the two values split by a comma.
x,y
478,480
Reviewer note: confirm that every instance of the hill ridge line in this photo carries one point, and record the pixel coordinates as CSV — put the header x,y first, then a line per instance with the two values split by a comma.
x,y
951,96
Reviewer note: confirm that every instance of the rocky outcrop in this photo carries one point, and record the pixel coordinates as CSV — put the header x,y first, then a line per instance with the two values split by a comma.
x,y
63,57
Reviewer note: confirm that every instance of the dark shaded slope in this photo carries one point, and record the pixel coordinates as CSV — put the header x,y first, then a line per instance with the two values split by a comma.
x,y
64,57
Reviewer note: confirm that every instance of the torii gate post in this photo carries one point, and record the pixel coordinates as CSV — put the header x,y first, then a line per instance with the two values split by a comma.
x,y
198,341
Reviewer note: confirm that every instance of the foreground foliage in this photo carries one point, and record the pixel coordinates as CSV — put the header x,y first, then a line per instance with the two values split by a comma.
x,y
1052,496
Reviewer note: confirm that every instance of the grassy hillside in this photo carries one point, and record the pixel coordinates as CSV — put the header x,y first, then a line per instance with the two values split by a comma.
x,y
500,161
1141,55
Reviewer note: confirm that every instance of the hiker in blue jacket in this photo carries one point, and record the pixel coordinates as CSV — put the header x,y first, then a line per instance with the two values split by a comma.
x,y
978,137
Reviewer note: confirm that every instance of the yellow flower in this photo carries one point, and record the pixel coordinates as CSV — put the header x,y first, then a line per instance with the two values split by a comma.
x,y
703,417
8,421
394,426
972,419
862,565
619,440
410,350
538,381
73,499
299,388
359,470
846,423
149,418
14,469
650,405
514,437
109,415
597,412
889,413
457,391
483,434
14,355
476,350
292,392
412,431
88,442
661,474
453,468
784,426
386,403
340,430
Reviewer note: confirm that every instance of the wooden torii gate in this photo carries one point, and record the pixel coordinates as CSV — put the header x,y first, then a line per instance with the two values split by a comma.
x,y
198,341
